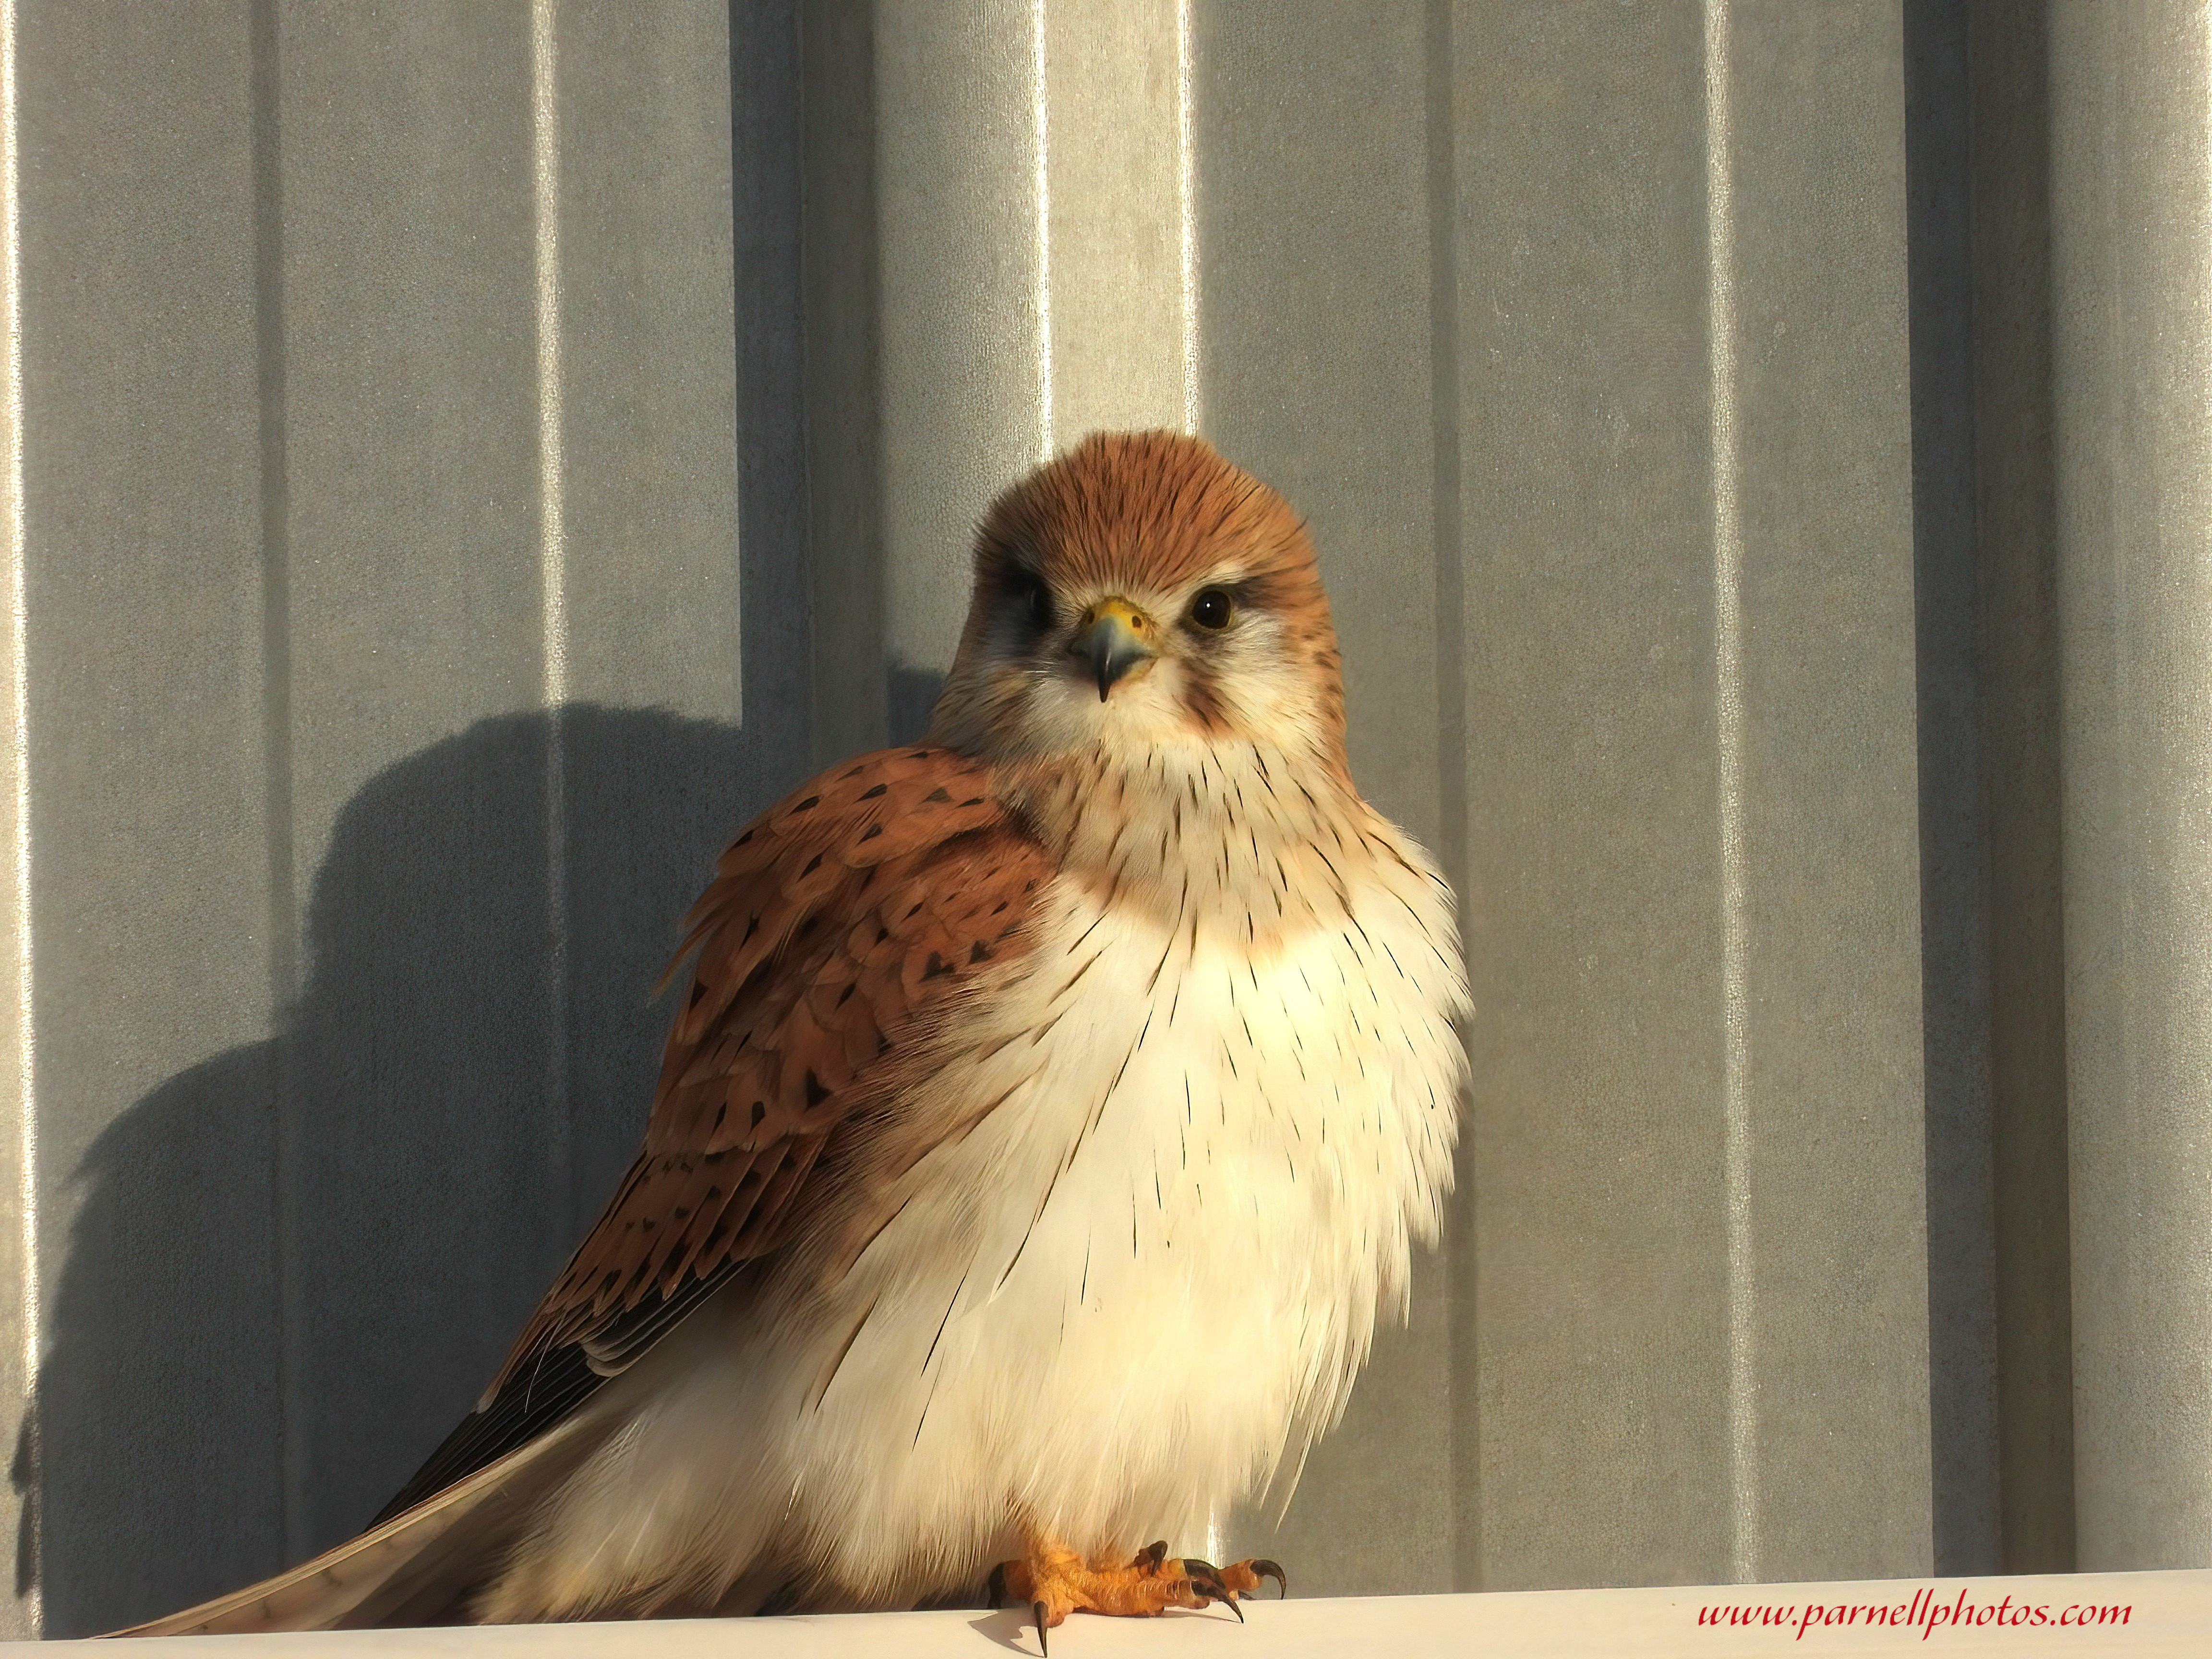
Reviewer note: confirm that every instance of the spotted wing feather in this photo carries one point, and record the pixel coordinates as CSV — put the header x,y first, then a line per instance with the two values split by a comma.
x,y
837,926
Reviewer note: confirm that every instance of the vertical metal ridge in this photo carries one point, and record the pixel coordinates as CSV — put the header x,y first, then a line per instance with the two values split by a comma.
x,y
2130,92
1187,212
32,1311
280,853
1039,118
1441,113
1444,416
1728,674
553,578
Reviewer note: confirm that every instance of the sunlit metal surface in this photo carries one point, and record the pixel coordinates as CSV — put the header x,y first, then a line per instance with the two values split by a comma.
x,y
2131,315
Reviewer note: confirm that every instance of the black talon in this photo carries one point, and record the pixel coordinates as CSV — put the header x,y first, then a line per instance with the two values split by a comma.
x,y
1037,1609
995,1586
1152,1555
1271,1570
1206,1579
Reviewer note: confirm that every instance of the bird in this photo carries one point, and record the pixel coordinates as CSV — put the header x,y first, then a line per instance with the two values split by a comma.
x,y
1052,1109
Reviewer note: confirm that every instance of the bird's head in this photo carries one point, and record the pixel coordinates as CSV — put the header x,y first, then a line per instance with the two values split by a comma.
x,y
1139,595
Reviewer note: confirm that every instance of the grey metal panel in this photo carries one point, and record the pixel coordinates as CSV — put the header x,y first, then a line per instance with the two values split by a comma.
x,y
2131,351
412,478
1598,1350
642,114
1833,993
1626,1325
309,559
1116,99
964,375
151,911
443,960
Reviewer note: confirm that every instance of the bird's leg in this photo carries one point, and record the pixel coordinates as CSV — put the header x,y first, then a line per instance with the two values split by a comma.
x,y
1055,1581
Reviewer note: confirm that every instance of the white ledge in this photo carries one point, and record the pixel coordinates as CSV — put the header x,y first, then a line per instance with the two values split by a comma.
x,y
2168,1613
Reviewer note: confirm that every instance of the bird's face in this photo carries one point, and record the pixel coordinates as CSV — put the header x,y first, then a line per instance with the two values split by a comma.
x,y
1122,660
1141,596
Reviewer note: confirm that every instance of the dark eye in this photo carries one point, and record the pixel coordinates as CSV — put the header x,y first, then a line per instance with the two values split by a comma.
x,y
1212,610
1033,598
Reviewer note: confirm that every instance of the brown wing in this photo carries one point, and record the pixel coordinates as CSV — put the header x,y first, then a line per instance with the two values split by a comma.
x,y
836,925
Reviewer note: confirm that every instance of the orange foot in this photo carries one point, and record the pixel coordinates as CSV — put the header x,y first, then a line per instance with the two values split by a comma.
x,y
1056,1582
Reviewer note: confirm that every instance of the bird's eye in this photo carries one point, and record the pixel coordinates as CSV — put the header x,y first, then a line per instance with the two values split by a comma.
x,y
1033,598
1212,610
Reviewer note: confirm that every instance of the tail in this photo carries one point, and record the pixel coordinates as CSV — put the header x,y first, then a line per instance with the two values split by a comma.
x,y
425,1566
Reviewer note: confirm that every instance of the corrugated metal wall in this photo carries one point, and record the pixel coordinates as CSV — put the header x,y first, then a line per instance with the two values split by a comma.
x,y
462,459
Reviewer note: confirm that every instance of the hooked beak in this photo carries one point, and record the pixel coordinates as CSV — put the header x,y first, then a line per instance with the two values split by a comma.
x,y
1116,639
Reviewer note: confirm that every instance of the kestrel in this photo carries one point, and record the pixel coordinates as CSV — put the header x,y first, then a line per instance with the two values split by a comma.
x,y
1052,1109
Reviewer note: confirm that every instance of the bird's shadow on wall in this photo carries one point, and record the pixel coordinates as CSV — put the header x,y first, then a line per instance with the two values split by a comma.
x,y
296,1263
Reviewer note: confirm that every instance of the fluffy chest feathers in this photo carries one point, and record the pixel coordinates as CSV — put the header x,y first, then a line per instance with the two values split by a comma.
x,y
1149,1273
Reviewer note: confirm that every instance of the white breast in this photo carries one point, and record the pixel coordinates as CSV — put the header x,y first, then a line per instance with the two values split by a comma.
x,y
1141,1284
1153,1270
